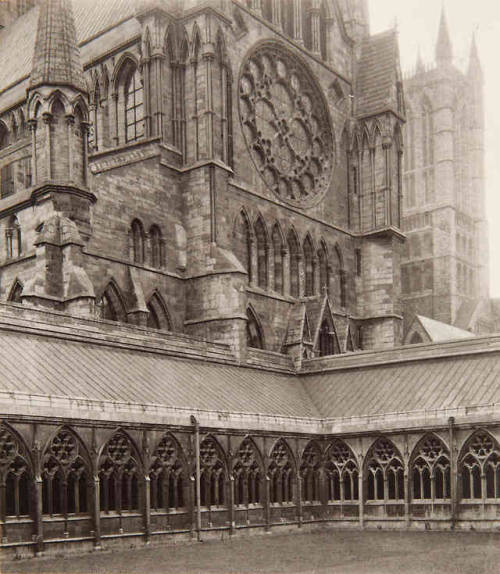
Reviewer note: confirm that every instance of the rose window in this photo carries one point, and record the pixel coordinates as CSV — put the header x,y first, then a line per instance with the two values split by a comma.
x,y
286,125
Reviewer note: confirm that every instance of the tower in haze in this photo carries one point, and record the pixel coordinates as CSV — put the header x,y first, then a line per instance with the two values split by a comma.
x,y
445,261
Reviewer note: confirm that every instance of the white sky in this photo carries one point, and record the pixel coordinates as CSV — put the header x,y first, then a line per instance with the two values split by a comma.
x,y
417,22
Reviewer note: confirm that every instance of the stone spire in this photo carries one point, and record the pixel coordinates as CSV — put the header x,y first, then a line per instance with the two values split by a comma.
x,y
444,51
56,60
474,71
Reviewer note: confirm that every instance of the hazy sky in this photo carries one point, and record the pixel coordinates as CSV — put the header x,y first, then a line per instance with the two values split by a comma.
x,y
418,22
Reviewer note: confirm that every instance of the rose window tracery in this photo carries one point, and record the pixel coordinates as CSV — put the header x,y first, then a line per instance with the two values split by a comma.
x,y
286,125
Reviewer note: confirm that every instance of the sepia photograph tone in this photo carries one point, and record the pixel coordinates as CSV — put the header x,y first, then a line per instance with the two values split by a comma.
x,y
249,286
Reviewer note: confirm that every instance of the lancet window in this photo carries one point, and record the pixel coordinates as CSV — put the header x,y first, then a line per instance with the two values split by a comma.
x,y
342,473
255,338
242,242
156,240
119,476
310,470
138,241
6,172
385,473
15,477
309,267
65,475
431,470
324,274
480,467
110,305
327,339
247,475
167,476
293,250
262,253
213,474
281,474
134,105
278,259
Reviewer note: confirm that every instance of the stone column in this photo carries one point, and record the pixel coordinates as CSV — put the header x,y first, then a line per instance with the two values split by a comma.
x,y
147,508
96,511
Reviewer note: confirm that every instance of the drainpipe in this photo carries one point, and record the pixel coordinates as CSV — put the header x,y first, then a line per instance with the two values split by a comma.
x,y
196,425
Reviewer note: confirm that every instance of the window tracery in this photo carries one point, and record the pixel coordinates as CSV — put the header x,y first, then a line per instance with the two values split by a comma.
x,y
167,476
342,472
281,474
15,475
431,470
213,474
65,476
480,467
286,125
310,472
247,474
385,480
118,476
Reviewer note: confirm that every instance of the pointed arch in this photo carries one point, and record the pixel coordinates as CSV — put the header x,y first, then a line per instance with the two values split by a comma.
x,y
282,473
255,333
310,469
324,267
159,317
157,247
430,469
479,456
16,473
384,471
137,241
111,304
342,470
15,291
169,475
248,472
66,474
309,266
262,244
327,339
294,262
243,242
120,469
213,479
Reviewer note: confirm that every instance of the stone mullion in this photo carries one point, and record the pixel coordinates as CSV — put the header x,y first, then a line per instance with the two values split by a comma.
x,y
406,494
387,147
70,123
147,506
34,164
301,272
267,501
433,484
195,110
158,112
298,481
224,116
115,118
209,111
38,514
84,127
285,253
47,120
373,191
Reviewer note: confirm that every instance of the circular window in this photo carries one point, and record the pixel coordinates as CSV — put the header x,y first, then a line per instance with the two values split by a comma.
x,y
286,125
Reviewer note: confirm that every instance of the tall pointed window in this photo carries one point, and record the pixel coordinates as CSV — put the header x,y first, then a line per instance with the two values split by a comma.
x,y
213,474
278,259
480,467
431,470
310,472
242,243
342,472
255,338
247,475
6,172
293,250
384,471
309,267
15,475
324,273
137,232
167,476
281,473
262,253
134,106
156,246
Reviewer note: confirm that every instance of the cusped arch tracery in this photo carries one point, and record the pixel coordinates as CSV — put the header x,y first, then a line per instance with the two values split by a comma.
x,y
342,472
168,474
248,473
286,124
385,471
480,458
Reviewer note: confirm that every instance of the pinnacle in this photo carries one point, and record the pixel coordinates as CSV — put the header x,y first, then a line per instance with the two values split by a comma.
x,y
56,59
444,50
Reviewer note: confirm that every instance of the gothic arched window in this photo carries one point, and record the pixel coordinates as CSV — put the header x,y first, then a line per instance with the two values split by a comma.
x,y
310,472
262,253
327,342
15,474
156,246
255,338
6,172
110,305
213,474
242,243
309,267
65,475
480,457
119,476
324,272
342,472
167,475
137,233
281,474
278,259
247,473
13,238
385,474
133,98
293,250
159,317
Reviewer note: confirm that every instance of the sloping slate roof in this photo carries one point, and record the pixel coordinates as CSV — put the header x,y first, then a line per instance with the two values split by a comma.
x,y
438,331
17,41
375,83
428,384
50,366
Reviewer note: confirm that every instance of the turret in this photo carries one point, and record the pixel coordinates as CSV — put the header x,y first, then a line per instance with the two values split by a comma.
x,y
444,50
